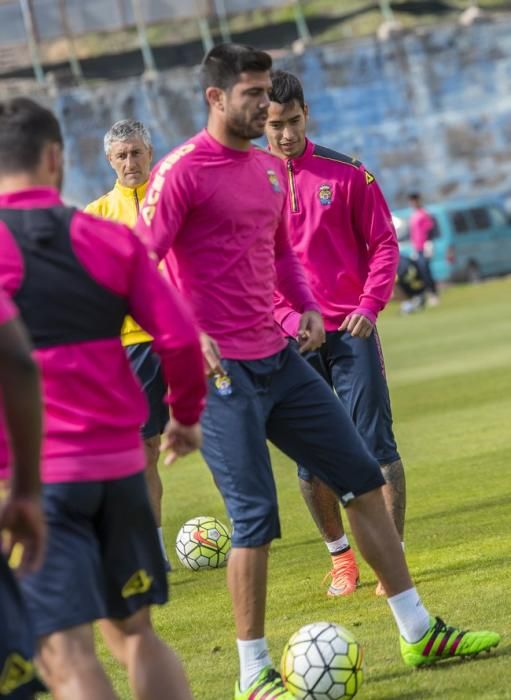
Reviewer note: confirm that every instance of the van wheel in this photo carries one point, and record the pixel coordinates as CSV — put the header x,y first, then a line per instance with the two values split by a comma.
x,y
473,274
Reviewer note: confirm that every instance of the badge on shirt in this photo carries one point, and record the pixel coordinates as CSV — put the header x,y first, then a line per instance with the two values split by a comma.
x,y
274,181
223,384
325,194
369,177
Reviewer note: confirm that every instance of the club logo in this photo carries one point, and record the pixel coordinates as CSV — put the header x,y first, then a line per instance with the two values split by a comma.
x,y
274,181
325,194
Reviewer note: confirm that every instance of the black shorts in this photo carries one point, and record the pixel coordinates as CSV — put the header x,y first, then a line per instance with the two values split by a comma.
x,y
103,555
146,365
17,641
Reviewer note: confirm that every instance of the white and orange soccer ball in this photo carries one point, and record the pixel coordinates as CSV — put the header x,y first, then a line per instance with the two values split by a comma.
x,y
322,661
203,543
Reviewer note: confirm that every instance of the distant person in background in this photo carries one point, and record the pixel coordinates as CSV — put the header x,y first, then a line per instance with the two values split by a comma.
x,y
410,287
129,151
422,229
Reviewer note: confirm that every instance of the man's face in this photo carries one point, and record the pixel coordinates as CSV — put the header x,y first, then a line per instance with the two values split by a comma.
x,y
246,105
131,160
285,129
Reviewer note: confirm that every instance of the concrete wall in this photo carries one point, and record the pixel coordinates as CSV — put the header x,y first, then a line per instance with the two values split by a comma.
x,y
430,110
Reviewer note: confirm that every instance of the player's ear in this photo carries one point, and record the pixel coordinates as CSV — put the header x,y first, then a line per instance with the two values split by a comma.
x,y
215,98
306,111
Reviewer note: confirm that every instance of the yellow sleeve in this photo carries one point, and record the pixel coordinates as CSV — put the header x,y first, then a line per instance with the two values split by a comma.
x,y
95,208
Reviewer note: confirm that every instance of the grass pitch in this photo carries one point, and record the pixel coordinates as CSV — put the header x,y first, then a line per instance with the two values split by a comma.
x,y
449,370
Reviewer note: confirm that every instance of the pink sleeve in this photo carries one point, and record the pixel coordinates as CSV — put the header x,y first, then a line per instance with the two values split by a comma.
x,y
166,203
118,260
373,221
292,286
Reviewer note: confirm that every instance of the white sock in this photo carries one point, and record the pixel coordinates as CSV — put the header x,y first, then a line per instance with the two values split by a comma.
x,y
338,545
162,543
410,615
254,656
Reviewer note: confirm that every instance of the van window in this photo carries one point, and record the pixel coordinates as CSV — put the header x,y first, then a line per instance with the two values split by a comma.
x,y
480,218
459,222
498,216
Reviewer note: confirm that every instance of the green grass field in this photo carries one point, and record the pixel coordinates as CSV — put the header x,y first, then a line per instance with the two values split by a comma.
x,y
449,370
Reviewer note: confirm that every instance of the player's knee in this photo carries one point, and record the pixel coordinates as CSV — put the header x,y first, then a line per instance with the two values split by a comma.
x,y
65,655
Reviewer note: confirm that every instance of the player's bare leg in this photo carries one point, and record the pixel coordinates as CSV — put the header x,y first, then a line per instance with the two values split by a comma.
x,y
394,493
247,573
68,665
154,485
324,508
378,541
154,670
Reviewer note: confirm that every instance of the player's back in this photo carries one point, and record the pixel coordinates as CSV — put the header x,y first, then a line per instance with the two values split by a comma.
x,y
69,274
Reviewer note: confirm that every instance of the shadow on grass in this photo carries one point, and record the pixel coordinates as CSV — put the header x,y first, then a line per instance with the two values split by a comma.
x,y
447,571
463,508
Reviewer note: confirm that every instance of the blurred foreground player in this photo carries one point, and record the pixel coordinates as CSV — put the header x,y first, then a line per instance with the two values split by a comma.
x,y
103,559
21,516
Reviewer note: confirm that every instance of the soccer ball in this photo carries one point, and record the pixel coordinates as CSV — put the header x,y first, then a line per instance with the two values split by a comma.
x,y
322,661
203,543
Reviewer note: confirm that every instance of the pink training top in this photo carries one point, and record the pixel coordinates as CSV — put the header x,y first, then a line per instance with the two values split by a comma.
x,y
219,210
420,224
7,313
94,406
341,229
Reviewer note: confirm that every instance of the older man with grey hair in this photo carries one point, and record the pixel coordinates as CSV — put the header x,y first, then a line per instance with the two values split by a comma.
x,y
129,151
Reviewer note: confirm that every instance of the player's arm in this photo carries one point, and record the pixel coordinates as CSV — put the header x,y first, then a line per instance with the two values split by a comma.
x,y
167,202
373,222
293,287
21,513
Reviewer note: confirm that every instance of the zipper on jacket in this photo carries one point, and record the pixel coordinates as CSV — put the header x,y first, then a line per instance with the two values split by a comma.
x,y
292,186
137,203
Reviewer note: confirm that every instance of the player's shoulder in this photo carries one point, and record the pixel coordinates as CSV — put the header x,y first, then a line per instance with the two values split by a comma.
x,y
97,225
99,206
268,159
342,161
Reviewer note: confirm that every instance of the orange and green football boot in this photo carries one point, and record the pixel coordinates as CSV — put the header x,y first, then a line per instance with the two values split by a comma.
x,y
443,642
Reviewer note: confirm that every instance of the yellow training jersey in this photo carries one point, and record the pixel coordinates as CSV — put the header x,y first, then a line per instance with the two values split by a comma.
x,y
123,204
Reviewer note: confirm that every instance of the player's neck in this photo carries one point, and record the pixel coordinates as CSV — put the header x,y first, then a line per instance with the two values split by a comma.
x,y
226,138
23,181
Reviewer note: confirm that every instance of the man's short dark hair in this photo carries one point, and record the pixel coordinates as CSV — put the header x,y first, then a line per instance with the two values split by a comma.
x,y
223,65
285,88
414,196
25,127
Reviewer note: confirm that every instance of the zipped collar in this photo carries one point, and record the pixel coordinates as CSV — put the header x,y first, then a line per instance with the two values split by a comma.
x,y
307,153
137,193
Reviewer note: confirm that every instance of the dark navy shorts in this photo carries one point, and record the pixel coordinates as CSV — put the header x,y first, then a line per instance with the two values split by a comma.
x,y
17,640
283,399
146,365
103,556
354,367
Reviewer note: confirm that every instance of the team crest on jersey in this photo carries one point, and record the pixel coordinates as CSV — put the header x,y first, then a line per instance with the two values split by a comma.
x,y
325,194
274,181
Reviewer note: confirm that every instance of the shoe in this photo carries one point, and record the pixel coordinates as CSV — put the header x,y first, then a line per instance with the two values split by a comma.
x,y
380,591
442,642
268,685
344,573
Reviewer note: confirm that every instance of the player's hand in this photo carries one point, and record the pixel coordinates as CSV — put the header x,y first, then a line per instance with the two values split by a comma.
x,y
211,354
179,440
358,325
23,520
311,331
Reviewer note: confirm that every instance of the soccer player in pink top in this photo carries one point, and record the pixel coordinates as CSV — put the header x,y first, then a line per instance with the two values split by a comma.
x,y
216,204
422,228
341,229
74,278
21,515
